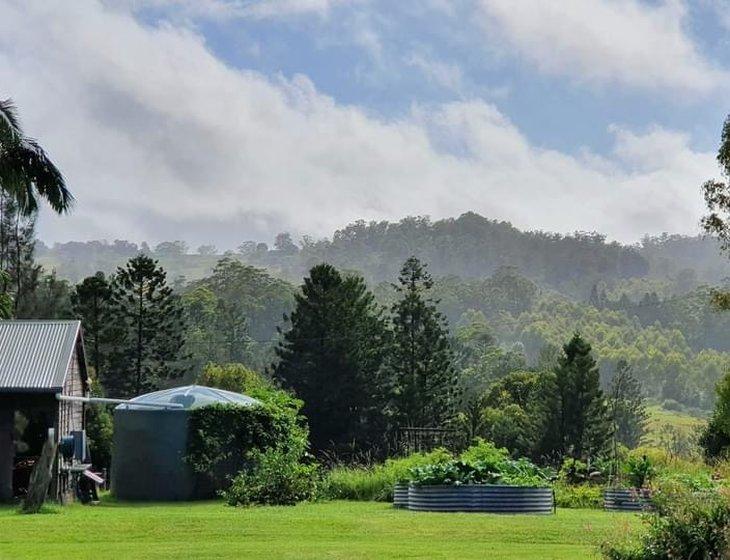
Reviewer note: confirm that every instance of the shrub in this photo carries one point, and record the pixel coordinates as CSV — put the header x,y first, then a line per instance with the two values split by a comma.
x,y
221,438
715,439
691,482
685,525
484,451
638,470
671,404
578,495
233,377
100,433
574,471
240,379
277,477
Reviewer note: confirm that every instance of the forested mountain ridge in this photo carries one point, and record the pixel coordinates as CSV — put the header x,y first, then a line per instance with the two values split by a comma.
x,y
527,292
469,246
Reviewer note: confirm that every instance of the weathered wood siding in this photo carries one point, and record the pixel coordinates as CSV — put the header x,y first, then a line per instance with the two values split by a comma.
x,y
70,418
71,414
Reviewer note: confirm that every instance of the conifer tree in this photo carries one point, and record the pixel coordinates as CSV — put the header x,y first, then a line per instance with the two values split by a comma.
x,y
420,365
91,301
332,357
627,406
573,411
17,246
149,330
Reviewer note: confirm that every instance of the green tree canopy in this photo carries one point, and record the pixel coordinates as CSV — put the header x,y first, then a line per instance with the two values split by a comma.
x,y
331,356
149,329
572,407
420,365
91,302
626,406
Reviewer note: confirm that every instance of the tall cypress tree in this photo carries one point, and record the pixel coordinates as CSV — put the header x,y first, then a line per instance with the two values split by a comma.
x,y
420,364
332,356
148,343
573,411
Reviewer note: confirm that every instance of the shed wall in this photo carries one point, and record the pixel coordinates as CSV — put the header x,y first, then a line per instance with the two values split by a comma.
x,y
71,414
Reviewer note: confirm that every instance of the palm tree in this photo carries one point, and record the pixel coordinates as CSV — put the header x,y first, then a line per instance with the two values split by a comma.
x,y
26,172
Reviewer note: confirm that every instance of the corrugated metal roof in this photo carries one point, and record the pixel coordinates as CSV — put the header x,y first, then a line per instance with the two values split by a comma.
x,y
34,355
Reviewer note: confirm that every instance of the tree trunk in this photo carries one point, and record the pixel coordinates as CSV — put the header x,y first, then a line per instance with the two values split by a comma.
x,y
7,452
40,478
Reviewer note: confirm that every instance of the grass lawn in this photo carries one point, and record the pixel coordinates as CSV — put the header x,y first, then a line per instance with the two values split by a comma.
x,y
333,530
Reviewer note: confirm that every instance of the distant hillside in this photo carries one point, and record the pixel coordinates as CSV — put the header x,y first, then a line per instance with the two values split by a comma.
x,y
469,246
647,304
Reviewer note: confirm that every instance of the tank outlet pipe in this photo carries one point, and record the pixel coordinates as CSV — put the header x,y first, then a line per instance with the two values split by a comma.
x,y
102,400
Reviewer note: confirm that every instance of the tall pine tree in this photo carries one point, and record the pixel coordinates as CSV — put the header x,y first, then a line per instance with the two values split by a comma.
x,y
420,365
147,348
91,300
332,357
572,408
627,406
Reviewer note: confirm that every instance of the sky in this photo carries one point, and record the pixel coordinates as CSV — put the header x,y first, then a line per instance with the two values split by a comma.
x,y
219,121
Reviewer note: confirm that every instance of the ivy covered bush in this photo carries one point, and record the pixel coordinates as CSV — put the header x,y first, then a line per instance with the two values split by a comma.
x,y
223,440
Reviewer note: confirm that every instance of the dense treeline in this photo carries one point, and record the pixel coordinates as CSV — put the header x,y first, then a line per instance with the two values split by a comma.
x,y
676,344
469,246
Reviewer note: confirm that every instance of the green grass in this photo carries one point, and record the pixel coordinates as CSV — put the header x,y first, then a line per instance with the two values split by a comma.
x,y
329,530
660,418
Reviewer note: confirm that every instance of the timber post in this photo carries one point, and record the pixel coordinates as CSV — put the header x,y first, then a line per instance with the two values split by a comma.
x,y
41,476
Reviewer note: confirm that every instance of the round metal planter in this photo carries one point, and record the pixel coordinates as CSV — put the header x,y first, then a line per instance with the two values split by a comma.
x,y
400,495
485,498
626,499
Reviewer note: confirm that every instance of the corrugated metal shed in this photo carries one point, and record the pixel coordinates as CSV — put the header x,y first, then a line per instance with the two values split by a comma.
x,y
35,355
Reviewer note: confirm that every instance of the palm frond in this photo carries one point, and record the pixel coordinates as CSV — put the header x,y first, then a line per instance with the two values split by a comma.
x,y
26,172
10,130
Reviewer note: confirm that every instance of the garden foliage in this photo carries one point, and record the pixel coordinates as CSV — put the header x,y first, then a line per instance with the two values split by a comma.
x,y
276,477
685,525
376,482
223,439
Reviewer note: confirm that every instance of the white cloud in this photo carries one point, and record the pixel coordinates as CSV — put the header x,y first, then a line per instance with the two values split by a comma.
x,y
448,76
278,8
159,139
226,9
606,42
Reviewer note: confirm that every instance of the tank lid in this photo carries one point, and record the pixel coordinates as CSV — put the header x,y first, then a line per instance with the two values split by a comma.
x,y
190,396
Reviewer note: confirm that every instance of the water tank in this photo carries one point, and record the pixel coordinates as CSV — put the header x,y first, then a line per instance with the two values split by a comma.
x,y
150,443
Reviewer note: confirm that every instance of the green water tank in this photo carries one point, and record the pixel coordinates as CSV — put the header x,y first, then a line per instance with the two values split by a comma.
x,y
150,444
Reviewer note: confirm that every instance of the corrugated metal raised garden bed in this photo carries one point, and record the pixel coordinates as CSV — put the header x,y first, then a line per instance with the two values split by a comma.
x,y
486,498
627,499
